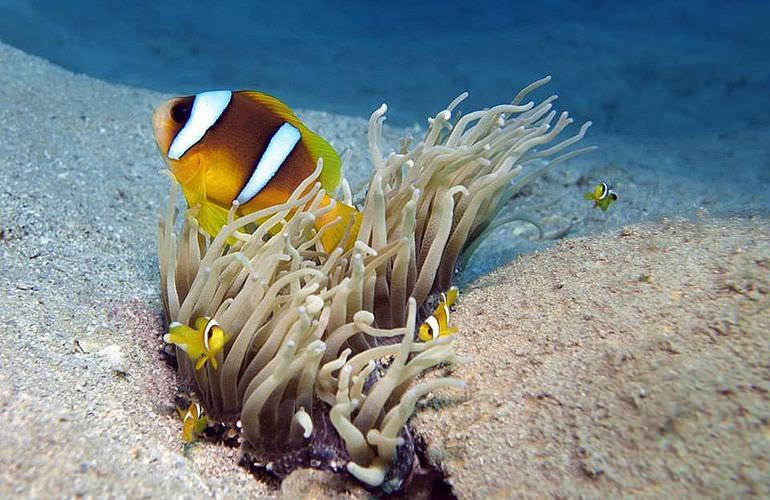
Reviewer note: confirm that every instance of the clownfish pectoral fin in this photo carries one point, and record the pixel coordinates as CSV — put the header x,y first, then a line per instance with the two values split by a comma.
x,y
212,218
589,195
316,145
334,233
202,361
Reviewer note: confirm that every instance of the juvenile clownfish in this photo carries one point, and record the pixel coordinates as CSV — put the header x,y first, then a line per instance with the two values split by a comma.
x,y
250,148
201,343
437,324
193,422
602,196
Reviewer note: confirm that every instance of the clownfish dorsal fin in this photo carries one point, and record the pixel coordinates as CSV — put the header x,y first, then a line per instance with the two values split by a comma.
x,y
317,145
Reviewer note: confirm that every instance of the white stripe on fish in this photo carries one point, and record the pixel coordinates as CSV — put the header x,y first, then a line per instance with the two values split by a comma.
x,y
206,110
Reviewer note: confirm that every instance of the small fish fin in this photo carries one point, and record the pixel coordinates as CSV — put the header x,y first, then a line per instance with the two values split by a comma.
x,y
180,334
201,322
201,361
273,104
211,218
186,338
589,195
451,295
317,145
319,148
201,424
449,331
442,316
332,236
194,190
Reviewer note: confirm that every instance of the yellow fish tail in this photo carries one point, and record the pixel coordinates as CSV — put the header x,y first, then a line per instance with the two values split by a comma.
x,y
450,331
186,338
451,295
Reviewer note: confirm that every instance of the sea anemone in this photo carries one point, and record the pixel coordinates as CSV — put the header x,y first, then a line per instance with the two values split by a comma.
x,y
322,364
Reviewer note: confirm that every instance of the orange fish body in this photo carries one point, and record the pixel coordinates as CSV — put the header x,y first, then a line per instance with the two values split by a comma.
x,y
247,147
437,324
193,422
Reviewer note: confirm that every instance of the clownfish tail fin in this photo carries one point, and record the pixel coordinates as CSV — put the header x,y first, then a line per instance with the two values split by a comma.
x,y
319,148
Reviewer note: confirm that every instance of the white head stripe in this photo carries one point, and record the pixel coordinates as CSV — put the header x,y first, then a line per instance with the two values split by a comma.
x,y
604,191
433,324
206,110
211,324
278,149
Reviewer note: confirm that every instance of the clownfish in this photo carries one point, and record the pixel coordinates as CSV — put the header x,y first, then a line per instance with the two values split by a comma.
x,y
193,422
602,196
201,343
437,324
249,148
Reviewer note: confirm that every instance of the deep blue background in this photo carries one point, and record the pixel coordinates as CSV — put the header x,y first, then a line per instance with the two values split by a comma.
x,y
685,76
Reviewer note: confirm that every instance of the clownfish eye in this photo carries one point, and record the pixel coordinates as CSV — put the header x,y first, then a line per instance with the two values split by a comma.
x,y
181,112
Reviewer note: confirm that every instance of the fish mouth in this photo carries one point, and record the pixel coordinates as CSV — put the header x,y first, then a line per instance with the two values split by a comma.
x,y
164,127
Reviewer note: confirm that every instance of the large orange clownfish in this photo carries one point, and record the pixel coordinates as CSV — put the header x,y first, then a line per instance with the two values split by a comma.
x,y
247,147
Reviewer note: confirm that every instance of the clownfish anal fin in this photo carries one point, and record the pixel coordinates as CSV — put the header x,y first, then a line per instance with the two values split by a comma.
x,y
334,233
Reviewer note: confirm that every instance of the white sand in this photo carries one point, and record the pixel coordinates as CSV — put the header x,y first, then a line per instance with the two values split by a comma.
x,y
631,363
78,209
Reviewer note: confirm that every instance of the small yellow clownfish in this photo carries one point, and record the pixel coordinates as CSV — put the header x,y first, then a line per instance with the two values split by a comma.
x,y
201,343
602,196
437,324
193,422
250,148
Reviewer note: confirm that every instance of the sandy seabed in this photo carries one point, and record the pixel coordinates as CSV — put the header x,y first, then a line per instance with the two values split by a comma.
x,y
631,360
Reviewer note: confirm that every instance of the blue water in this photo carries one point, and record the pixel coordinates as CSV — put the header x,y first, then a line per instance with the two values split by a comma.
x,y
690,77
